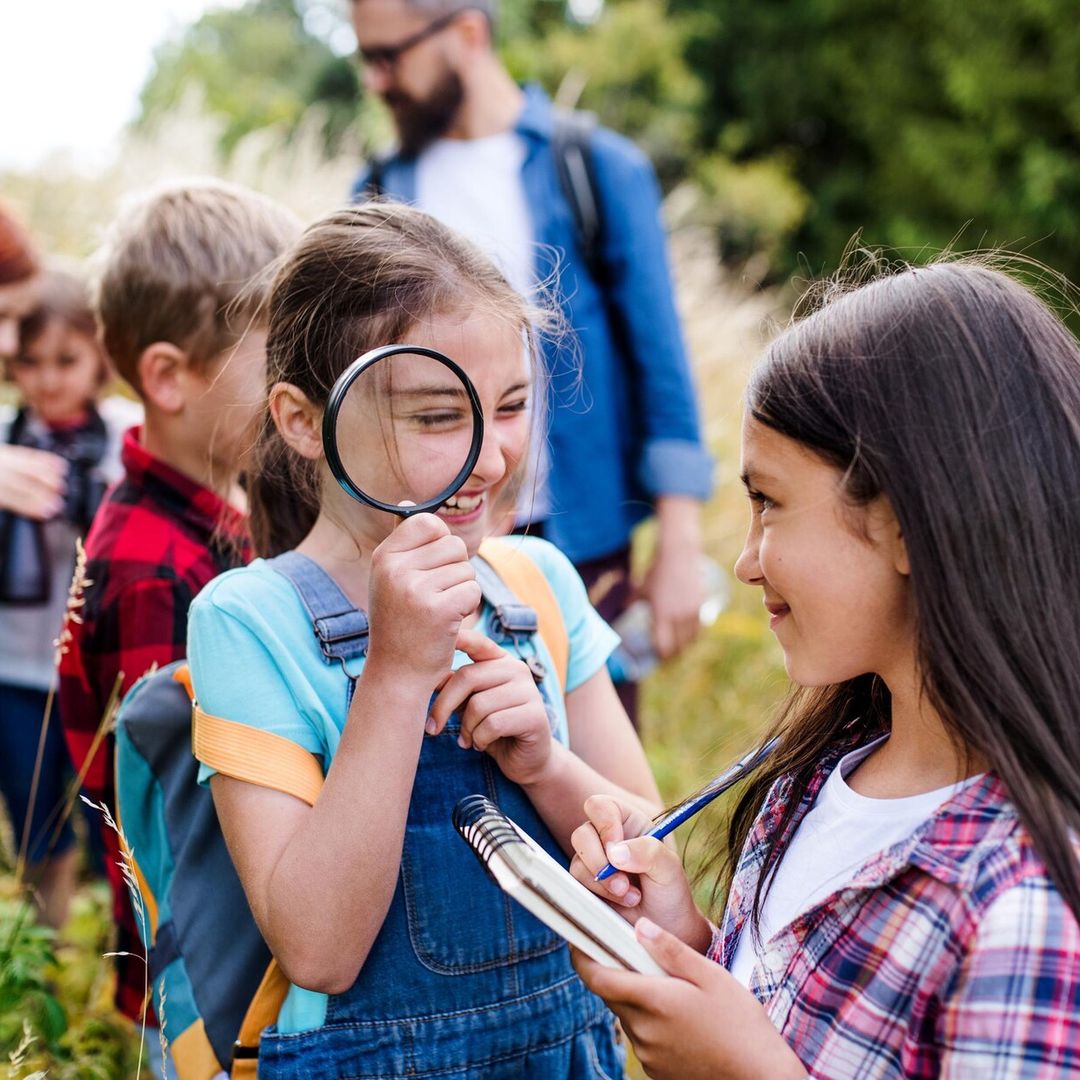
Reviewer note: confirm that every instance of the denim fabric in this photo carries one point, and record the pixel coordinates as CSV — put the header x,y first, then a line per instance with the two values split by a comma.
x,y
22,709
461,981
627,429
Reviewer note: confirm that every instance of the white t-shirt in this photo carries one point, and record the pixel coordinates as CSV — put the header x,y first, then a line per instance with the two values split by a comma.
x,y
475,187
837,837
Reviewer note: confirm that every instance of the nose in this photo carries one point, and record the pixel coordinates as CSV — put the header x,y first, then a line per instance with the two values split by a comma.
x,y
9,336
375,78
492,464
747,566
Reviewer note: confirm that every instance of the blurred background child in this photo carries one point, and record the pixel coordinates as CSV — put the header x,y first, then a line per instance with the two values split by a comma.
x,y
181,314
58,370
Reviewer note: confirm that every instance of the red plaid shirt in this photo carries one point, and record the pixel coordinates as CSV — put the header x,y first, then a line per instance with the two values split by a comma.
x,y
157,539
950,954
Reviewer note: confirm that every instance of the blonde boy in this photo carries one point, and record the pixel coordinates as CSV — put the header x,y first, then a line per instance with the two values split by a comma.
x,y
180,300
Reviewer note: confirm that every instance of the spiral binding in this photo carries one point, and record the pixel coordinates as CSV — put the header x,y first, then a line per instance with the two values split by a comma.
x,y
489,827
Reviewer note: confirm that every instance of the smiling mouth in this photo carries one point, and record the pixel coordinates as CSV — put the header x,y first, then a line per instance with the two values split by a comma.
x,y
776,612
460,505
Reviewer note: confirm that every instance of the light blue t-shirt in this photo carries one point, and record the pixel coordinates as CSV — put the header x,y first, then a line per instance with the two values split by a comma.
x,y
255,660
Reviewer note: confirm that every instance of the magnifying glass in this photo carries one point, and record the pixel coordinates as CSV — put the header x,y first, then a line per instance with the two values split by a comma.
x,y
403,423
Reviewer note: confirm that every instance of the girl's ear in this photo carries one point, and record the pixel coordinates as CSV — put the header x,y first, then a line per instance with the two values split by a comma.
x,y
297,419
885,530
900,555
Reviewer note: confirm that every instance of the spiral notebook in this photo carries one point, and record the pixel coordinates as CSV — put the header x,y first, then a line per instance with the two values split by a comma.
x,y
524,870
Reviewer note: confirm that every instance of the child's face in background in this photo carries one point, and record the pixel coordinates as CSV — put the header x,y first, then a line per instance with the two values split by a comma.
x,y
834,577
409,437
58,372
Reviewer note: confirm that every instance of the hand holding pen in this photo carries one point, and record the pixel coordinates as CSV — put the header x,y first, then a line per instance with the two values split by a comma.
x,y
689,807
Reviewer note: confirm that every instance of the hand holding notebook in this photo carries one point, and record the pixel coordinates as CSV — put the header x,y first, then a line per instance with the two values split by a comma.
x,y
522,868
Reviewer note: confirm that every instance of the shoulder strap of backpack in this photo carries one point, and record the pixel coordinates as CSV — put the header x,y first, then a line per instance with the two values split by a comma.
x,y
266,1003
527,583
375,186
571,144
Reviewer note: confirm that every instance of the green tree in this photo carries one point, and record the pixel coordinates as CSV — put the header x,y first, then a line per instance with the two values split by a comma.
x,y
914,122
255,66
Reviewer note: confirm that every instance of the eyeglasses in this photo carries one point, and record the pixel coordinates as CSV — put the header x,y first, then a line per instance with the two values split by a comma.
x,y
385,57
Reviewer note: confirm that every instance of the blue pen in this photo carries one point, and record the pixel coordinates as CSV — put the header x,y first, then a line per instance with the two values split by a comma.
x,y
689,807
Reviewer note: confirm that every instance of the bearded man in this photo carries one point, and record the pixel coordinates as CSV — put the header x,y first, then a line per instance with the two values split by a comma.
x,y
622,437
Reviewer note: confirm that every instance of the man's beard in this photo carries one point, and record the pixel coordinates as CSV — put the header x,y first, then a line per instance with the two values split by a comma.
x,y
420,122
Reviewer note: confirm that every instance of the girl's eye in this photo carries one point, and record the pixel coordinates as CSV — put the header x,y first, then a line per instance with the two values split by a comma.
x,y
761,501
440,419
513,407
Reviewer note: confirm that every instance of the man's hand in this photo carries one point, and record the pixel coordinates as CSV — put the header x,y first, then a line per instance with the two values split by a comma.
x,y
673,584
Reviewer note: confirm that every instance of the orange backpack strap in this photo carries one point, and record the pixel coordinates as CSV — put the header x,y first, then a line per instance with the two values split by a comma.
x,y
527,582
258,757
255,756
263,1011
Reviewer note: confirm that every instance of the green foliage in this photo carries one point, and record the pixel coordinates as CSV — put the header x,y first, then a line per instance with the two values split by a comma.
x,y
256,67
631,69
56,1018
755,206
914,122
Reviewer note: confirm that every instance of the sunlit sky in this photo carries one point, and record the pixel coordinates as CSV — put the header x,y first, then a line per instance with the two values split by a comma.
x,y
71,71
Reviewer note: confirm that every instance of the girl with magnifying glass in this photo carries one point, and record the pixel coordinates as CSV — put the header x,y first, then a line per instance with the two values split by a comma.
x,y
402,958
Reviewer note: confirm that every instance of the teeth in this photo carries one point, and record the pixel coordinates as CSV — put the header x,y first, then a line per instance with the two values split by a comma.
x,y
464,503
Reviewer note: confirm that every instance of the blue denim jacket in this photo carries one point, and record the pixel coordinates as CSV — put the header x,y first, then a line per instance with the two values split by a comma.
x,y
627,429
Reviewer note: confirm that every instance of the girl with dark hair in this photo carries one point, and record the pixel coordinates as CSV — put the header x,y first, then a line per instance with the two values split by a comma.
x,y
906,879
402,958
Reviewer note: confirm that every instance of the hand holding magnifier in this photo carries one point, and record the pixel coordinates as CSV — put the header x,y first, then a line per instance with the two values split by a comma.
x,y
403,429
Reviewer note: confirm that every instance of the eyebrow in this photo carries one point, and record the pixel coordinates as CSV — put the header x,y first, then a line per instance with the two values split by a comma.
x,y
429,391
751,478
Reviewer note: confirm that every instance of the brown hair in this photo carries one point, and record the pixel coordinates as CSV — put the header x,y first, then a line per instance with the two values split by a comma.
x,y
359,278
18,261
64,298
187,265
954,392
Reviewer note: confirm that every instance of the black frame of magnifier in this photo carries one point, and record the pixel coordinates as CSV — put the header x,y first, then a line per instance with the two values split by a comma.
x,y
333,407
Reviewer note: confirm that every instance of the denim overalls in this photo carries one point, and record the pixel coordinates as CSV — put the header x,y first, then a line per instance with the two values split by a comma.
x,y
461,982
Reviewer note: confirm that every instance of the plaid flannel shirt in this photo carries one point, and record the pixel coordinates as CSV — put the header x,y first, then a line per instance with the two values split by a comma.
x,y
157,539
950,954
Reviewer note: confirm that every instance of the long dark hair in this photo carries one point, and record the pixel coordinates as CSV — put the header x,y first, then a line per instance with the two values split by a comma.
x,y
358,278
954,392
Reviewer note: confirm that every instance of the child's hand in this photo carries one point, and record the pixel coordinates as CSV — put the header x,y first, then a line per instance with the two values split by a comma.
x,y
422,586
502,711
697,1024
652,882
32,482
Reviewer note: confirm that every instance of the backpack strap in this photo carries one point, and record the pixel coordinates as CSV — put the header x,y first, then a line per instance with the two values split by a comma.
x,y
262,1012
571,146
525,582
341,627
270,996
375,188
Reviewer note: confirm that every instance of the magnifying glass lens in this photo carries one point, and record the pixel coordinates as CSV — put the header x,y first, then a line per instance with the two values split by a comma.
x,y
405,429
